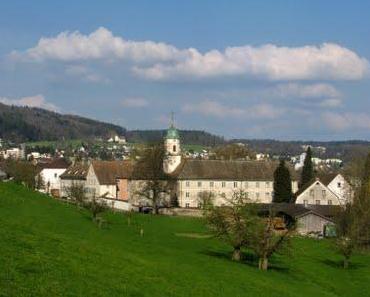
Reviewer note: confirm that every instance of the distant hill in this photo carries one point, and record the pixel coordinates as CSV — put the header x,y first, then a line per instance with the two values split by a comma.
x,y
34,124
21,124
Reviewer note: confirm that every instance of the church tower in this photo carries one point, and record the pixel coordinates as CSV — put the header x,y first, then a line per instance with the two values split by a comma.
x,y
172,149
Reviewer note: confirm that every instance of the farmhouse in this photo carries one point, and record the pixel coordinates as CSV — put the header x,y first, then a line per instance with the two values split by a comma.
x,y
108,179
50,174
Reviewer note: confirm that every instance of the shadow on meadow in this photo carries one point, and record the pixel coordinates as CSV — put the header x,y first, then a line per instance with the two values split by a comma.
x,y
248,259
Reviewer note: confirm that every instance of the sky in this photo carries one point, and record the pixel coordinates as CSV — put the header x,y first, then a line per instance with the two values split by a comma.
x,y
288,70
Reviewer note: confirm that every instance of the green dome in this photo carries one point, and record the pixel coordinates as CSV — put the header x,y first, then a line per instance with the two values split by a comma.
x,y
172,133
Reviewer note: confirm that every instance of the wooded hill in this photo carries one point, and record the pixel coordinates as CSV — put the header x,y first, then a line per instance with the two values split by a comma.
x,y
34,124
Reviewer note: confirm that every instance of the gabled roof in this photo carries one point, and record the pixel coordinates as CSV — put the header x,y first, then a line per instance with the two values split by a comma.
x,y
326,178
59,163
77,171
229,170
107,172
299,210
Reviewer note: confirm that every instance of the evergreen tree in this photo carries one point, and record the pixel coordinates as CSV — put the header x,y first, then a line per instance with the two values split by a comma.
x,y
282,184
307,171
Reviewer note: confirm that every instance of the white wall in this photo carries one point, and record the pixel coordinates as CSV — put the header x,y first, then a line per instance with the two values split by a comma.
x,y
259,191
341,188
52,176
318,192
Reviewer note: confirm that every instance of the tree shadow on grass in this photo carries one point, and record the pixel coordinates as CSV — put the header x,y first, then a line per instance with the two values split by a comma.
x,y
247,259
338,264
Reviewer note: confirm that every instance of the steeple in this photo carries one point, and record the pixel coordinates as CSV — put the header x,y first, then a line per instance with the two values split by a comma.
x,y
172,148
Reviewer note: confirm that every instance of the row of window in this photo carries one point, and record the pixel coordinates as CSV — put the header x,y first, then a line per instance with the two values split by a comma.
x,y
229,184
318,202
248,194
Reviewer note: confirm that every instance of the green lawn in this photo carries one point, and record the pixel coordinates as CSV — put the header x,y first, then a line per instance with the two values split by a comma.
x,y
48,248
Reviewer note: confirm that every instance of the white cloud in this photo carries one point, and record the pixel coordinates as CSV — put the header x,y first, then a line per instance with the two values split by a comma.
x,y
134,102
216,109
161,61
31,101
333,102
346,121
328,61
100,44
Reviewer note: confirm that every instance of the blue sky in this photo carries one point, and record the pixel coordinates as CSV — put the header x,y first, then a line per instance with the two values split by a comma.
x,y
253,69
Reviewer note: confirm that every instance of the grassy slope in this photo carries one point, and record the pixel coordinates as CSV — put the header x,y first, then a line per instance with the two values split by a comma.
x,y
48,248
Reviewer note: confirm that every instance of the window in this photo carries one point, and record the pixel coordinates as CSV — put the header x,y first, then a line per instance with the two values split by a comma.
x,y
305,202
55,175
312,193
187,184
246,185
235,184
330,202
223,184
187,205
339,185
267,184
187,194
257,195
174,148
318,202
323,193
199,184
257,184
211,184
267,194
199,205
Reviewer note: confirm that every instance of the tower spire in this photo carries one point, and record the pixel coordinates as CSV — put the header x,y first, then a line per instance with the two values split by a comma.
x,y
172,119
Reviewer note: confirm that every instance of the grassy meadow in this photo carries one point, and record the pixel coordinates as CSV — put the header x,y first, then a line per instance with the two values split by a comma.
x,y
50,248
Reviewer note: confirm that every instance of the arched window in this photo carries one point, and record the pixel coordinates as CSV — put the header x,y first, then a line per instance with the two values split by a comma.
x,y
174,148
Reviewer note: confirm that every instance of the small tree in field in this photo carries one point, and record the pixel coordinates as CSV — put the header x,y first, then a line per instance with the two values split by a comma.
x,y
96,206
265,241
282,184
353,220
231,223
77,193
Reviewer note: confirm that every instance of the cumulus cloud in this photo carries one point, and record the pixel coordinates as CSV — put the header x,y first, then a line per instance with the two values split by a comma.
x,y
328,61
100,44
346,121
161,61
216,109
31,101
134,102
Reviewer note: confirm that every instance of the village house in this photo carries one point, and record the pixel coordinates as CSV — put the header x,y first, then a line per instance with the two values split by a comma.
x,y
50,175
325,189
107,179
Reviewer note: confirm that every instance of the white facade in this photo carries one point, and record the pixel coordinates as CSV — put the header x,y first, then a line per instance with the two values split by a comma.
x,y
341,188
317,193
51,178
258,191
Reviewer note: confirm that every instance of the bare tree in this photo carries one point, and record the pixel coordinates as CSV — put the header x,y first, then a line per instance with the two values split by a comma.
x,y
231,223
96,206
155,186
77,193
206,199
265,241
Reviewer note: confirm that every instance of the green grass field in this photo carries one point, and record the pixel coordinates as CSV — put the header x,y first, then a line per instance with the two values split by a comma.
x,y
49,248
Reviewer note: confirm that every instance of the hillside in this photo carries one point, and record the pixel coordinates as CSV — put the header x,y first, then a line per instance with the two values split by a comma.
x,y
49,248
34,124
